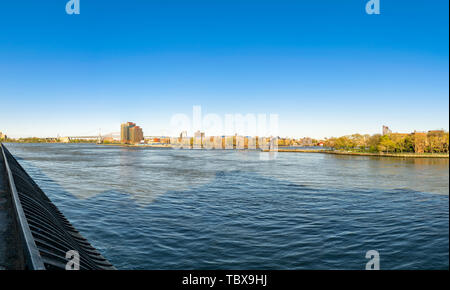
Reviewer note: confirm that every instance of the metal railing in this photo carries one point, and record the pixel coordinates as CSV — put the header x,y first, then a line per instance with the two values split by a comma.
x,y
46,235
33,259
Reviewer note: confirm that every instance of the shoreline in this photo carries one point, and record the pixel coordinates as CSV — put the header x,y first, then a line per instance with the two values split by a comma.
x,y
323,151
131,145
401,155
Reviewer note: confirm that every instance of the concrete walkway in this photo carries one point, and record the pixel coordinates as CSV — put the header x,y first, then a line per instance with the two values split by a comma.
x,y
10,255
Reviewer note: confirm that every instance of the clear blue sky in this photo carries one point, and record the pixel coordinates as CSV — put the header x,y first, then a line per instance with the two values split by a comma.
x,y
326,67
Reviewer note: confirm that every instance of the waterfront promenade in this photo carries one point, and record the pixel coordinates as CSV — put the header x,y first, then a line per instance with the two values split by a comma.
x,y
34,234
10,257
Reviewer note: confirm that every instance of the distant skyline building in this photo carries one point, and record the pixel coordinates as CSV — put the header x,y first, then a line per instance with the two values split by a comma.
x,y
386,130
3,136
183,134
124,131
136,134
199,134
130,133
198,139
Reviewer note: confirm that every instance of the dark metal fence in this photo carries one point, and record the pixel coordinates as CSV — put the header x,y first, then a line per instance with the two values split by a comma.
x,y
45,233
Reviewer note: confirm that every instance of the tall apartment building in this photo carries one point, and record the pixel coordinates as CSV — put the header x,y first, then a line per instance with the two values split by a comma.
x,y
136,135
386,130
130,133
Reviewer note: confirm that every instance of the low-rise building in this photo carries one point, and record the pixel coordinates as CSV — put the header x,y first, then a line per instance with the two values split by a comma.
x,y
64,139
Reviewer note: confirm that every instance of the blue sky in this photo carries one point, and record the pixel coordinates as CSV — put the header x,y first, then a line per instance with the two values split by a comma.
x,y
325,67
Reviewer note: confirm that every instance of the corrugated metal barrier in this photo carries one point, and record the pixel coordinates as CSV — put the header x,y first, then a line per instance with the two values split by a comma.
x,y
46,235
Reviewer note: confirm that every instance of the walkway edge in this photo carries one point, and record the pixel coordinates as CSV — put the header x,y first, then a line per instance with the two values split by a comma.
x,y
33,259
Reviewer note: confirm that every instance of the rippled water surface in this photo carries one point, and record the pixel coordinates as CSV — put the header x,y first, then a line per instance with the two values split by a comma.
x,y
189,209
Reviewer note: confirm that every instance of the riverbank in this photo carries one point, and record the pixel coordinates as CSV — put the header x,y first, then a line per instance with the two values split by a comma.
x,y
402,155
132,145
323,151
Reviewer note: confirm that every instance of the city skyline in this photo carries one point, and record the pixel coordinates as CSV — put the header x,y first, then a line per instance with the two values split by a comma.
x,y
326,69
129,131
191,133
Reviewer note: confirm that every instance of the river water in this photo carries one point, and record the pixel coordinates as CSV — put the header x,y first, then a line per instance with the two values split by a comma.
x,y
147,208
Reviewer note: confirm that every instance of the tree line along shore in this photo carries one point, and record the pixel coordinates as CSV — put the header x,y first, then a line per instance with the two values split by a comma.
x,y
361,153
436,141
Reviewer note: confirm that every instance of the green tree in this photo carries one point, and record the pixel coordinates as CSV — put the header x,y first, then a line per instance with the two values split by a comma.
x,y
373,142
386,144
